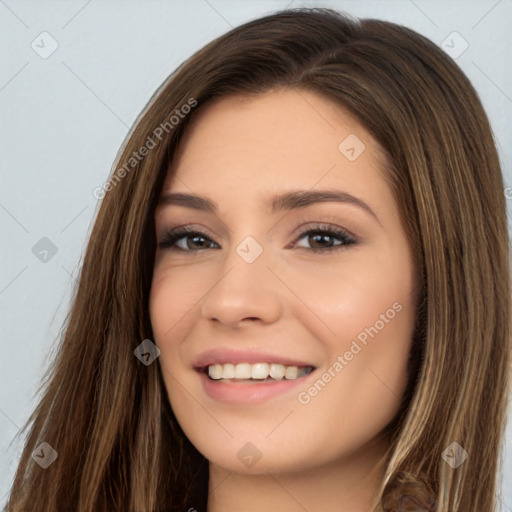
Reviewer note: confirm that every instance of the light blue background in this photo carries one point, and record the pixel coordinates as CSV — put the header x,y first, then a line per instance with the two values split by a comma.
x,y
63,119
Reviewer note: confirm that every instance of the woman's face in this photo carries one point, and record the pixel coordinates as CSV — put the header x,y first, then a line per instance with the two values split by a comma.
x,y
295,259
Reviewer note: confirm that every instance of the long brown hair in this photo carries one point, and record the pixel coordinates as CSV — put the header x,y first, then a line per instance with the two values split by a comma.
x,y
107,415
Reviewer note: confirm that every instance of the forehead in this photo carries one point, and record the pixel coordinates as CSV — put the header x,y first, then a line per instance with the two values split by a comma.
x,y
288,138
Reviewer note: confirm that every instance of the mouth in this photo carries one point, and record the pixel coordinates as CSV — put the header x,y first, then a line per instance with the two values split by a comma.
x,y
245,384
249,377
247,373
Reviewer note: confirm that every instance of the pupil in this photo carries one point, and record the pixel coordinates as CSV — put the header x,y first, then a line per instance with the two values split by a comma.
x,y
195,240
322,238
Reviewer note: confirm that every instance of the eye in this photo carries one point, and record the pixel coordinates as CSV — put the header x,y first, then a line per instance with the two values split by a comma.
x,y
323,239
186,239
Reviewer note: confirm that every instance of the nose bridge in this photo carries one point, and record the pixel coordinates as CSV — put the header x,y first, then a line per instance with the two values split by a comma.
x,y
245,268
249,256
245,288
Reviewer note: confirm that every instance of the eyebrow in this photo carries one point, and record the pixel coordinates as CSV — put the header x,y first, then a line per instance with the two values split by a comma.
x,y
283,202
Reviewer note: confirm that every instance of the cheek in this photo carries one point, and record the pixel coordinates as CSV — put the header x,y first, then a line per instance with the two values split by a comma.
x,y
171,305
365,289
360,389
366,326
173,296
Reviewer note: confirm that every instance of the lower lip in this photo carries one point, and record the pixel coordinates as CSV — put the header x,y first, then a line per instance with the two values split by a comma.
x,y
243,393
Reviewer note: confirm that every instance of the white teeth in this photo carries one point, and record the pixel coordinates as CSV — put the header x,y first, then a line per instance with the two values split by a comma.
x,y
215,371
243,371
291,372
228,371
276,371
257,371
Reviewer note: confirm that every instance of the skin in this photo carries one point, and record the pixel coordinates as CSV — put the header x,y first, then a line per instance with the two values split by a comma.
x,y
239,151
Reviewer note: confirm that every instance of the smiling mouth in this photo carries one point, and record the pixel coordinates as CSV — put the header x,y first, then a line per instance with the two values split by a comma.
x,y
257,372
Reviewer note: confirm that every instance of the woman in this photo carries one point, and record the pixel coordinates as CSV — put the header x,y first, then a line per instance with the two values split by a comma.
x,y
296,295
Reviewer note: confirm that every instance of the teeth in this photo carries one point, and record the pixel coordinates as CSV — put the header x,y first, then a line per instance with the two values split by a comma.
x,y
228,371
257,371
242,371
277,371
215,371
291,372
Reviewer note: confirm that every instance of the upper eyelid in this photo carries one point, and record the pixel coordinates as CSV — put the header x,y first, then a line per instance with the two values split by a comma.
x,y
187,229
303,228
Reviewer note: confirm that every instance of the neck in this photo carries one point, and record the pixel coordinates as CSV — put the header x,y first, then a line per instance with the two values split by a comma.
x,y
348,484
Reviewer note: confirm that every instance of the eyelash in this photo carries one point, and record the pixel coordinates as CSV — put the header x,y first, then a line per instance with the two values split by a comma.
x,y
170,238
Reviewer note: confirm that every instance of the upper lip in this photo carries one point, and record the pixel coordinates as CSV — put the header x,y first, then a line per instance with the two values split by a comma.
x,y
227,355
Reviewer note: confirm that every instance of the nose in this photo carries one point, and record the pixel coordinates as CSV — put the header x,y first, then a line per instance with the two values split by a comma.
x,y
243,293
